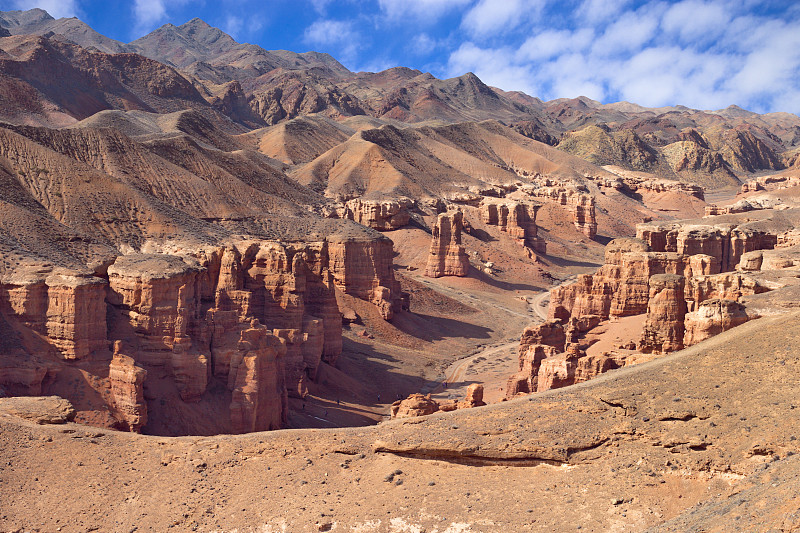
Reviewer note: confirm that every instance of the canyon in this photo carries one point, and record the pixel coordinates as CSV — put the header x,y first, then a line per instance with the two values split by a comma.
x,y
382,296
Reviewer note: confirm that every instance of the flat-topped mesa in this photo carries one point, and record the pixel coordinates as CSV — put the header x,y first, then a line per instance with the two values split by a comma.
x,y
202,320
364,269
67,308
447,255
711,318
620,287
666,309
516,219
382,215
725,242
584,214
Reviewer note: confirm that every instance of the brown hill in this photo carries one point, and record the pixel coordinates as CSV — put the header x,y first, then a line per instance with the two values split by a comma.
x,y
661,447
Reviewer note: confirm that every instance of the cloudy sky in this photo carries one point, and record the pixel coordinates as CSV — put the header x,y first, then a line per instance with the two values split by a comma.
x,y
705,54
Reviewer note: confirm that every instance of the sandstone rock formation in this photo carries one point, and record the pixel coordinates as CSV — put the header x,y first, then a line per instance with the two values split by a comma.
x,y
382,215
516,219
725,242
126,382
447,256
713,317
666,309
422,404
584,215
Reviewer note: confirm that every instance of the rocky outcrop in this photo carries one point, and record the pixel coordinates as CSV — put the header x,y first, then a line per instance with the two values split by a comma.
x,y
711,318
620,287
256,380
364,269
422,404
67,308
743,206
666,309
727,286
473,398
516,219
382,215
415,405
584,216
447,256
126,382
41,410
770,183
526,380
629,183
725,242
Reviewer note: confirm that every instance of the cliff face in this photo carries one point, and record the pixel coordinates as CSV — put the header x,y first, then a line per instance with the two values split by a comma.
x,y
447,256
680,275
231,330
725,242
516,219
666,310
382,215
712,318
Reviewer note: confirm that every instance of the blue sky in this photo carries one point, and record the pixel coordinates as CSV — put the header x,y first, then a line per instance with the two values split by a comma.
x,y
705,54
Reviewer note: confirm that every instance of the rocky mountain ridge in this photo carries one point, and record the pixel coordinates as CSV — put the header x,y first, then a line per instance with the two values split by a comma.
x,y
255,87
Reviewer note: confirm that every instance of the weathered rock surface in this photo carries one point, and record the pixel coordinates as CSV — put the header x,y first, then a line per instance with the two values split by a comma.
x,y
447,255
422,404
725,242
666,310
126,382
39,409
382,215
516,219
584,215
713,317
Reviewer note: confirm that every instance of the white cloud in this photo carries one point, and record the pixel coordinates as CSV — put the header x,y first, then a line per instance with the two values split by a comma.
x,y
597,11
421,10
551,43
233,25
494,66
328,32
422,44
56,8
339,35
490,17
705,54
148,14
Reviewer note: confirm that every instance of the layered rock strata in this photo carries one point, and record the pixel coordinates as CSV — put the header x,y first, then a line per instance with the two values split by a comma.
x,y
447,255
126,381
713,317
666,309
518,220
229,329
724,242
382,215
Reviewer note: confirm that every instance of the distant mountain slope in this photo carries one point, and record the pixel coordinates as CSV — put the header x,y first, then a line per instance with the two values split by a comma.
x,y
242,87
